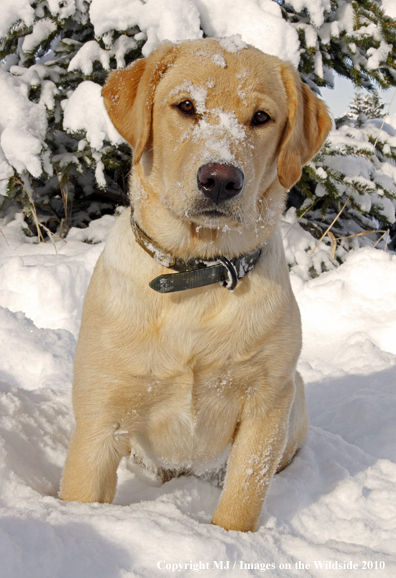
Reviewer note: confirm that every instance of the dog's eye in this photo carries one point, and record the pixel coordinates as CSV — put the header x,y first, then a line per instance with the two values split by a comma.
x,y
260,117
186,107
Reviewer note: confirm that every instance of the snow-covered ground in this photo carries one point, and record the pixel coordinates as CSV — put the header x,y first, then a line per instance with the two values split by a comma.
x,y
334,506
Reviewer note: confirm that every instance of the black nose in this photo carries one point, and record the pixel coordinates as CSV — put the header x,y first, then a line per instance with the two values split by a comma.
x,y
219,182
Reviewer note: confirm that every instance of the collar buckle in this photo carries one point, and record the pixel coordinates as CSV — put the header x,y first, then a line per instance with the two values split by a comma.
x,y
232,274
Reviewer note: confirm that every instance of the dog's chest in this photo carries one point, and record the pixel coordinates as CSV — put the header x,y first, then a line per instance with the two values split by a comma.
x,y
206,337
192,422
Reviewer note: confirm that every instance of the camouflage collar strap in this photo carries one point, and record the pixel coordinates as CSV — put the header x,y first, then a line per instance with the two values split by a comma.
x,y
194,272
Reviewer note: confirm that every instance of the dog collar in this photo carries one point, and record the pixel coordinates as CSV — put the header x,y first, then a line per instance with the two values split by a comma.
x,y
194,272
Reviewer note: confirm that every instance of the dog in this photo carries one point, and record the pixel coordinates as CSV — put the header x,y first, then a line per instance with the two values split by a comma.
x,y
190,332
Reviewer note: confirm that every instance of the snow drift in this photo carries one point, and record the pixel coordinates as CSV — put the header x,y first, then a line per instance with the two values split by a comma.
x,y
335,504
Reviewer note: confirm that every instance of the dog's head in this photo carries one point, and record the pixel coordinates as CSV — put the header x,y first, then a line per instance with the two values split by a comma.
x,y
219,131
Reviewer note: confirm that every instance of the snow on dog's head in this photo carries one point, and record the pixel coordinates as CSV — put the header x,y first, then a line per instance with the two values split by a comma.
x,y
218,135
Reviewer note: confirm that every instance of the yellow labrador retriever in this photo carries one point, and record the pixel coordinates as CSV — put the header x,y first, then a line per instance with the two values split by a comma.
x,y
190,332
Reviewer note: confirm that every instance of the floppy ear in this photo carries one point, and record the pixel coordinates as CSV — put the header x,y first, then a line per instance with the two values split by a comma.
x,y
129,94
307,126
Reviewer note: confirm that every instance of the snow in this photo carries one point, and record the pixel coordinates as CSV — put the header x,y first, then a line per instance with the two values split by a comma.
x,y
345,20
389,7
217,128
63,8
218,137
365,172
12,11
378,55
41,30
22,128
233,43
314,7
85,111
91,52
159,19
336,502
259,23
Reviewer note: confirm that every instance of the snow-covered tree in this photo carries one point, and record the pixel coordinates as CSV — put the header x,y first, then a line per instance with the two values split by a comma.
x,y
350,186
347,192
369,105
55,136
354,38
60,154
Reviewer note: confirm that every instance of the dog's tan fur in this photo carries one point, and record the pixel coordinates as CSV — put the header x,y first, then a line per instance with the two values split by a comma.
x,y
181,377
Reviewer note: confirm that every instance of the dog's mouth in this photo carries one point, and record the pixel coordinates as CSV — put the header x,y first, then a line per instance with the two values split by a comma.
x,y
213,218
212,214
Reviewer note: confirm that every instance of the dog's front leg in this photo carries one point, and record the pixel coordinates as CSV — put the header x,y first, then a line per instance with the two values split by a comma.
x,y
91,465
256,451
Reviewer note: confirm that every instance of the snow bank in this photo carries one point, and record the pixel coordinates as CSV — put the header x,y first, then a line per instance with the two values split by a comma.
x,y
335,504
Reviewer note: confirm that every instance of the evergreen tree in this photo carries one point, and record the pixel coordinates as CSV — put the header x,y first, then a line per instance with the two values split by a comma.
x,y
350,186
354,38
369,105
357,165
47,61
60,157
